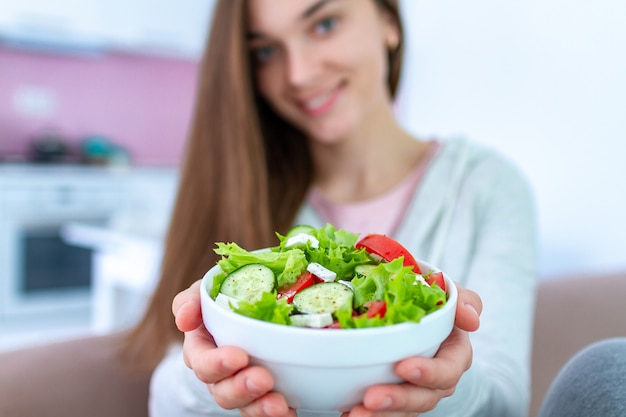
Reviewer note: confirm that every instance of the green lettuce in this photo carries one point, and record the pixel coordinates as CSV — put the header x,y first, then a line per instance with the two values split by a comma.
x,y
336,250
287,266
407,298
268,308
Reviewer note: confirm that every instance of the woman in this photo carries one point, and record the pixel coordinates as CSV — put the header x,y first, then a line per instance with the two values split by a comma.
x,y
294,124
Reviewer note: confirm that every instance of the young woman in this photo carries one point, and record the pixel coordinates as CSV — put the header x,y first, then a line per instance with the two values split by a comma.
x,y
294,124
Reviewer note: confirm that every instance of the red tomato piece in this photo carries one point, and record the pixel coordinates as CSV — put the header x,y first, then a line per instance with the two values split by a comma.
x,y
335,325
305,280
388,249
376,308
316,279
436,278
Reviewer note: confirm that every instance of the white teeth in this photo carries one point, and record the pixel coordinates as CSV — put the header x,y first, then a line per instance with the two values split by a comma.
x,y
318,101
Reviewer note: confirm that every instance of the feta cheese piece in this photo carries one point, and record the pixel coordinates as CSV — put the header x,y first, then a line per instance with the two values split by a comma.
x,y
226,301
346,283
312,320
321,272
419,278
301,239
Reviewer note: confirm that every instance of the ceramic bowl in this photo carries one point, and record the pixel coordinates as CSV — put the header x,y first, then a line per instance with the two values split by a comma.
x,y
327,370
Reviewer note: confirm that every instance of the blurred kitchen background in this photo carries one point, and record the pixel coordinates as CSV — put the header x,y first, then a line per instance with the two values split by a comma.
x,y
96,98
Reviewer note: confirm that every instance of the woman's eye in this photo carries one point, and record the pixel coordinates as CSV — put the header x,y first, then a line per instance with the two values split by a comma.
x,y
263,53
325,25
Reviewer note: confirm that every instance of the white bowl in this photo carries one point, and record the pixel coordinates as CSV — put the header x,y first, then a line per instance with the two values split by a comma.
x,y
327,370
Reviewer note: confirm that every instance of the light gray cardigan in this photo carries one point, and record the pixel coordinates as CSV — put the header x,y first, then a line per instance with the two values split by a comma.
x,y
472,216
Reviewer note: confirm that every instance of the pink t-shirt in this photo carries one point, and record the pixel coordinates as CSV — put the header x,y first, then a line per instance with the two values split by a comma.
x,y
381,214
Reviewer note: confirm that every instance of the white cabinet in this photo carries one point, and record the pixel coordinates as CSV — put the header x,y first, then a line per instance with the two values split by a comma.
x,y
160,27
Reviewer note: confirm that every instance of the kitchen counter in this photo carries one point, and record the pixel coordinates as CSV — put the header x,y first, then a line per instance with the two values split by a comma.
x,y
15,170
103,237
126,267
12,171
127,248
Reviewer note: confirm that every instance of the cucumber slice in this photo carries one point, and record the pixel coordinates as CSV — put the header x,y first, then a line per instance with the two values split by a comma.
x,y
300,236
301,228
226,301
361,271
249,282
325,297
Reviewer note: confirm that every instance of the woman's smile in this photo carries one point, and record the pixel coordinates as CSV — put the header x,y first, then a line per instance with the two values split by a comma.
x,y
323,102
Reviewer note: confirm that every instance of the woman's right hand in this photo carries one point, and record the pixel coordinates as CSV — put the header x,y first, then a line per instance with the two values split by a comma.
x,y
225,370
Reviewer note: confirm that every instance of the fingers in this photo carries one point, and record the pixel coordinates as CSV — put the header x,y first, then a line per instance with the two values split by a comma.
x,y
429,379
361,411
225,369
243,388
468,309
250,391
209,363
270,405
385,400
186,308
445,369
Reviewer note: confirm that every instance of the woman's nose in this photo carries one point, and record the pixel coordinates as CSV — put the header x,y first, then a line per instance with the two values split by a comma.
x,y
302,65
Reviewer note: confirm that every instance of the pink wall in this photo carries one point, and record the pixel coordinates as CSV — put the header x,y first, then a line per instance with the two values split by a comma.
x,y
141,103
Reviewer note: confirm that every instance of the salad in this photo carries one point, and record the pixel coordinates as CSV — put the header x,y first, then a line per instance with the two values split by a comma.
x,y
327,278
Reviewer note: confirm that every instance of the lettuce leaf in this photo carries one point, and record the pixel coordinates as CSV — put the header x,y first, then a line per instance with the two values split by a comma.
x,y
287,266
268,308
408,299
336,250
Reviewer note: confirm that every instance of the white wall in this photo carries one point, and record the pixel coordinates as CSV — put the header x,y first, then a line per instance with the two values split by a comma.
x,y
543,81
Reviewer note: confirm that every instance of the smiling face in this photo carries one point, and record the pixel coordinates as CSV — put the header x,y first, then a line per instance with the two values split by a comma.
x,y
322,64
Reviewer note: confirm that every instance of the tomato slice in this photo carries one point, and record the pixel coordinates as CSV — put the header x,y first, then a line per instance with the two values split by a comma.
x,y
334,325
306,279
376,308
436,278
388,249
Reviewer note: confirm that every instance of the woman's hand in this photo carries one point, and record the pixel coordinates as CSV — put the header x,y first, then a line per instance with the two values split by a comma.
x,y
429,380
225,370
234,384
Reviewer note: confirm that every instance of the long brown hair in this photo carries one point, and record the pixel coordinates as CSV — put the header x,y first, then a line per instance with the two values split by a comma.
x,y
244,176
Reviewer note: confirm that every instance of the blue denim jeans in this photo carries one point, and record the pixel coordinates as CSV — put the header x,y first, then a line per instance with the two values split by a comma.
x,y
592,383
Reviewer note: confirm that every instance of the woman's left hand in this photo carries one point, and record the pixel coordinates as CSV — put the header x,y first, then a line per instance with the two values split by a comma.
x,y
428,379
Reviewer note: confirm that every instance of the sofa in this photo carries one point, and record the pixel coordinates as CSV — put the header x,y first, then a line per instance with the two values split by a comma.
x,y
570,314
80,378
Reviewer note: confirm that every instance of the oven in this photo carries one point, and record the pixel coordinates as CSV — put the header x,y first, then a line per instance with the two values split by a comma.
x,y
40,274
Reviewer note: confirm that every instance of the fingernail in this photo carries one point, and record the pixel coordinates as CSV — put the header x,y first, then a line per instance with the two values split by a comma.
x,y
474,311
227,365
415,375
385,403
252,387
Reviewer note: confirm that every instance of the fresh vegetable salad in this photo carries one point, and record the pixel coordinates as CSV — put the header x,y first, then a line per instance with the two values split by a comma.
x,y
327,278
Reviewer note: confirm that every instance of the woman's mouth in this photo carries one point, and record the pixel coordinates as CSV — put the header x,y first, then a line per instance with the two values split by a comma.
x,y
321,103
